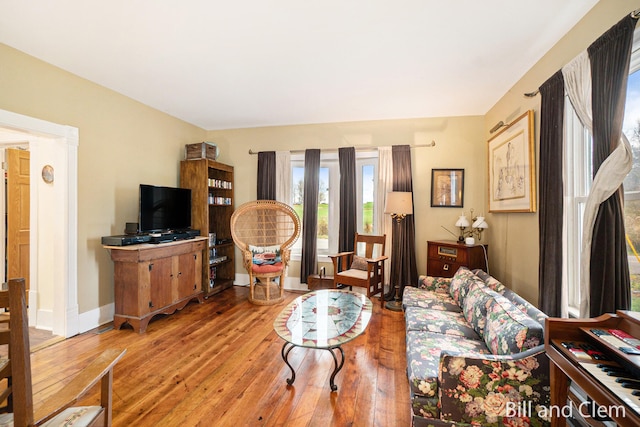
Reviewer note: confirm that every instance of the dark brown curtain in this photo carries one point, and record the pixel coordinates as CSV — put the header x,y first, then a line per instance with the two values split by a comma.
x,y
403,241
348,196
609,276
309,260
551,195
266,175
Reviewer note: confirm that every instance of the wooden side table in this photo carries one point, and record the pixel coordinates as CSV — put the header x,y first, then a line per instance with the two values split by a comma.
x,y
316,282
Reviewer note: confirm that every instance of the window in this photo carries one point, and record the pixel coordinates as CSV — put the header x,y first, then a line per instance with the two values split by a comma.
x,y
631,128
578,178
329,198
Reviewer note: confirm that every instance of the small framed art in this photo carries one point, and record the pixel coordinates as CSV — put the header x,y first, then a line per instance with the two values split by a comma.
x,y
447,188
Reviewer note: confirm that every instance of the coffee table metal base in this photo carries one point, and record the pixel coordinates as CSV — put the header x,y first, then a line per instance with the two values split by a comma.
x,y
336,367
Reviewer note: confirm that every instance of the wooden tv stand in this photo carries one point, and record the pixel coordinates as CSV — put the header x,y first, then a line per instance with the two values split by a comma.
x,y
151,279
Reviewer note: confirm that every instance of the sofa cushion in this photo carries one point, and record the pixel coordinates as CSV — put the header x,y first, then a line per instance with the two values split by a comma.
x,y
423,358
508,329
475,306
438,321
525,306
436,284
414,297
460,284
490,281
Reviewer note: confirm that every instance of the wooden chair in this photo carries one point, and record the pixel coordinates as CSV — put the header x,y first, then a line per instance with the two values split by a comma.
x,y
15,373
264,231
363,267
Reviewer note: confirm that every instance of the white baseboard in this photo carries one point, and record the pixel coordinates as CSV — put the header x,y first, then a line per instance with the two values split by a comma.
x,y
95,318
44,320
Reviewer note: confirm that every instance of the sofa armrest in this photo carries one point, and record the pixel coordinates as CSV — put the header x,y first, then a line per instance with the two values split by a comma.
x,y
482,389
435,284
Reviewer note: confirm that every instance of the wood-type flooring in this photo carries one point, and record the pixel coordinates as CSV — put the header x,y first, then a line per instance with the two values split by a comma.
x,y
219,364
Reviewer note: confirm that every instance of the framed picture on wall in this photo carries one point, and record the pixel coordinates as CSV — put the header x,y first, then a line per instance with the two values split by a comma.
x,y
512,167
447,188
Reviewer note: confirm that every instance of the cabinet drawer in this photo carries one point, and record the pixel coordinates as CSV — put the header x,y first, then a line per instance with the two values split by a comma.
x,y
438,268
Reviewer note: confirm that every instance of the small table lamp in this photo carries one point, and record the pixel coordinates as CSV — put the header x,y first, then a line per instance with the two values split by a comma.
x,y
463,223
399,204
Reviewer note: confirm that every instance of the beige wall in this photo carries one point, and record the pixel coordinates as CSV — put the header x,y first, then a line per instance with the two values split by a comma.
x,y
122,143
514,237
459,144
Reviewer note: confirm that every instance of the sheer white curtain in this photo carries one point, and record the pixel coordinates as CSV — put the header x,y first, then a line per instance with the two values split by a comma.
x,y
385,184
577,78
283,177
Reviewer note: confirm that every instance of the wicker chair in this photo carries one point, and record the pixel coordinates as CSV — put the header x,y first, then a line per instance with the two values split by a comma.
x,y
264,231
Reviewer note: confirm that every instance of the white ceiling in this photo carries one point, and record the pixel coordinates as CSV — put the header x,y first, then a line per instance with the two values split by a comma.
x,y
247,63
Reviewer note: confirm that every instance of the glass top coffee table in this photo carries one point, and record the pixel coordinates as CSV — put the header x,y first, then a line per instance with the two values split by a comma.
x,y
323,319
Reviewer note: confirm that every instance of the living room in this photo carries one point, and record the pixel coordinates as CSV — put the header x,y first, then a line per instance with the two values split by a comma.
x,y
123,143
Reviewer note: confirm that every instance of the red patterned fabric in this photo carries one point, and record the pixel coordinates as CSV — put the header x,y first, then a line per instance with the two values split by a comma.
x,y
267,268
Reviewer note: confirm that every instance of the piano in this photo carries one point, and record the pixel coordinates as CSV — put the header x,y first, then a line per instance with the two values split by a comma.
x,y
601,356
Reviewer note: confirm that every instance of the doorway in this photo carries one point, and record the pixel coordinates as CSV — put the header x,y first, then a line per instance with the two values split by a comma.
x,y
53,217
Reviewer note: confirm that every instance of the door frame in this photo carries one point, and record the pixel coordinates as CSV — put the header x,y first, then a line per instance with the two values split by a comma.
x,y
60,142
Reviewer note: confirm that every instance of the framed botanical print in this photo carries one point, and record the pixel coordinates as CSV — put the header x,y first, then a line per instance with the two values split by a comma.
x,y
447,188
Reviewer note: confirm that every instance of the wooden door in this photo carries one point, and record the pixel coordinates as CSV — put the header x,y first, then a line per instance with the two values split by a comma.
x,y
189,267
160,277
18,205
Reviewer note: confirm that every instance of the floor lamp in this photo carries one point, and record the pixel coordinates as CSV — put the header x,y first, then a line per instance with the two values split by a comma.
x,y
399,204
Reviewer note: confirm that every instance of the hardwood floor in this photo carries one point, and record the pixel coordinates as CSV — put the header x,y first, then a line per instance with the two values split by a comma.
x,y
219,363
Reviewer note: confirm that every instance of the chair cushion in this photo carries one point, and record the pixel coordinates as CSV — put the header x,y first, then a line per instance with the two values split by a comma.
x,y
358,274
266,268
359,263
265,254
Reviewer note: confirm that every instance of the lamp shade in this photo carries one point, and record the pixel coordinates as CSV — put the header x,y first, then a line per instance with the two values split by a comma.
x,y
399,202
480,223
462,221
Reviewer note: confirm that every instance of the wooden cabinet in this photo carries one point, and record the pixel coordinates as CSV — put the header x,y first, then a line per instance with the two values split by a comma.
x,y
212,199
445,257
151,279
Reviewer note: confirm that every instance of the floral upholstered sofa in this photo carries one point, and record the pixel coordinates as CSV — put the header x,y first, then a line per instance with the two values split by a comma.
x,y
475,353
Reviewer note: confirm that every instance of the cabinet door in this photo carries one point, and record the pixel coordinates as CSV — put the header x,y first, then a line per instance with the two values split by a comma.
x,y
160,283
188,274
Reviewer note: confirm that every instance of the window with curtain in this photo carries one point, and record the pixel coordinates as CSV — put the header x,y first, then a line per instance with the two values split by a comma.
x,y
329,198
631,128
579,176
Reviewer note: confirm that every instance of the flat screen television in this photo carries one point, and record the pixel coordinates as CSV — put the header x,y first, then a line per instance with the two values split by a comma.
x,y
164,209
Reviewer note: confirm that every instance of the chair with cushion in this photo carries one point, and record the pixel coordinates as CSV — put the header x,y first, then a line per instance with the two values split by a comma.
x,y
363,267
15,376
264,231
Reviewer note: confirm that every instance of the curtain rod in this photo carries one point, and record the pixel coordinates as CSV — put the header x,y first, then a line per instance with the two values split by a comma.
x,y
635,14
431,144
